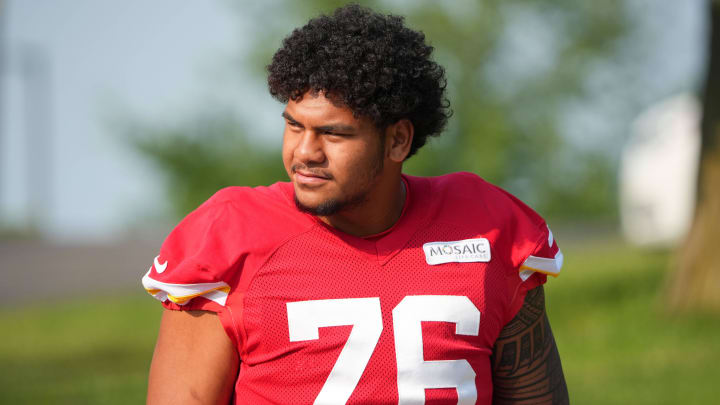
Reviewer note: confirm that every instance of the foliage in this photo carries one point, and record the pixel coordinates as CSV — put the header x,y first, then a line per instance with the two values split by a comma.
x,y
616,344
514,68
209,153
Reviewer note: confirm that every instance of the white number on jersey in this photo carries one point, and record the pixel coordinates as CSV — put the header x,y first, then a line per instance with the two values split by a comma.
x,y
304,319
414,373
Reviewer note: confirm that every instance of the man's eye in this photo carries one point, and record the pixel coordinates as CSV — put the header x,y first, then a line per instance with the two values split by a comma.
x,y
335,134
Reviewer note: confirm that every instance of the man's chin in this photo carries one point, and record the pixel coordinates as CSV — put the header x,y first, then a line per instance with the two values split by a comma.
x,y
321,209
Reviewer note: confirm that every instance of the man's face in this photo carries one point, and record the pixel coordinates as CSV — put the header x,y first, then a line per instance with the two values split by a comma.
x,y
332,158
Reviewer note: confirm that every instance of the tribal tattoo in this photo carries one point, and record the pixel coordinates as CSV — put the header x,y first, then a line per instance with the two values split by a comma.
x,y
526,363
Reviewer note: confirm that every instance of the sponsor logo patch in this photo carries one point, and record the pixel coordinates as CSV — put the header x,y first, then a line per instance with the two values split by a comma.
x,y
460,251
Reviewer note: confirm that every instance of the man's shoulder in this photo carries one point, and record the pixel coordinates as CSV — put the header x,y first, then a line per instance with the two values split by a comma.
x,y
458,182
252,202
466,190
240,196
251,211
213,246
471,198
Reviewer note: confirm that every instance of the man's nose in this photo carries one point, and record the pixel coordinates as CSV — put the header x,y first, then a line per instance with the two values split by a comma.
x,y
310,148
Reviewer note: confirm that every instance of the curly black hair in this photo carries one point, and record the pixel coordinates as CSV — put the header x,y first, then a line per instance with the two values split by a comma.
x,y
370,63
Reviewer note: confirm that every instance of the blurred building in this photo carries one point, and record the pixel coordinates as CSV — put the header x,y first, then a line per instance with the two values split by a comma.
x,y
658,172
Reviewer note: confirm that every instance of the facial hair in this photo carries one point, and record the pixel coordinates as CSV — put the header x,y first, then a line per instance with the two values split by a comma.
x,y
333,206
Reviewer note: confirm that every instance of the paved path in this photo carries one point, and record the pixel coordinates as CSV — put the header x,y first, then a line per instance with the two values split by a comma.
x,y
31,270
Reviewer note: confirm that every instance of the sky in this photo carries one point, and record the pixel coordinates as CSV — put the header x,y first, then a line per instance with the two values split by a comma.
x,y
108,60
152,60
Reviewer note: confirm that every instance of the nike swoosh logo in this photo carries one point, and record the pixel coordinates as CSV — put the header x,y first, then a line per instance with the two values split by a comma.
x,y
160,267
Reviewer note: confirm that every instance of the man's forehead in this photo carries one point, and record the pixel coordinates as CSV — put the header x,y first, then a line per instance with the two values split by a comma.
x,y
318,106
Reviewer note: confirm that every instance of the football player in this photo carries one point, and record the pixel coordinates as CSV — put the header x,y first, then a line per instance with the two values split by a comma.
x,y
353,282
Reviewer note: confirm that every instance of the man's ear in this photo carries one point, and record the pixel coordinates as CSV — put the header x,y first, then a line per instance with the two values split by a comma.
x,y
398,139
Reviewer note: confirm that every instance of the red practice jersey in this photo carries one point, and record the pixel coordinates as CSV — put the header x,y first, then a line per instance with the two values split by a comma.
x,y
409,316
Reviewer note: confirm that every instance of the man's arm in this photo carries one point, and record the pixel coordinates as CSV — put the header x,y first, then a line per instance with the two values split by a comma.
x,y
194,361
525,361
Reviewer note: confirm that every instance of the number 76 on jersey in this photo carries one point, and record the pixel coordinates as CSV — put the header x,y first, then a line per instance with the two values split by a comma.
x,y
414,374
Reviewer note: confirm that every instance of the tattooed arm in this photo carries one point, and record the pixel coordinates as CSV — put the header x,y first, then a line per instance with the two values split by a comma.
x,y
525,361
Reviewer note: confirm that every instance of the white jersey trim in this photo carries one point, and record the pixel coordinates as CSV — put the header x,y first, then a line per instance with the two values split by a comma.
x,y
181,294
534,264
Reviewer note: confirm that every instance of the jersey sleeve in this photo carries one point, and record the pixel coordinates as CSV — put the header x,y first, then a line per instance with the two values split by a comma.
x,y
530,267
196,267
530,250
545,259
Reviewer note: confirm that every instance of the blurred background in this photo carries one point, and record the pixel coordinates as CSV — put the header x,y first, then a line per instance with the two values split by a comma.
x,y
118,118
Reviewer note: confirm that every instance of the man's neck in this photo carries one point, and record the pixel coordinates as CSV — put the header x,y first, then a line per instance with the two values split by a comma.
x,y
377,214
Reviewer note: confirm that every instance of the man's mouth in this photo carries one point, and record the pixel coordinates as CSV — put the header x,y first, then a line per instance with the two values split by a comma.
x,y
309,177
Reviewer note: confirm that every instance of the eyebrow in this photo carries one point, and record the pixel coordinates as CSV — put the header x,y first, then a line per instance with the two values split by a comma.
x,y
322,128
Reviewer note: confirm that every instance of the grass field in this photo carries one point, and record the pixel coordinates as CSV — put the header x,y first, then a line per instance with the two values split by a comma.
x,y
617,345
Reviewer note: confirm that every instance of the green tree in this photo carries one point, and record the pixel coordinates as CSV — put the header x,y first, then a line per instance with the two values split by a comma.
x,y
208,152
513,67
